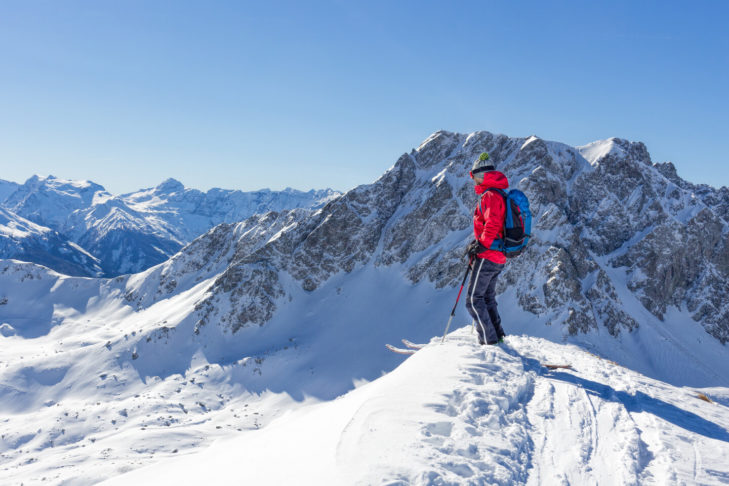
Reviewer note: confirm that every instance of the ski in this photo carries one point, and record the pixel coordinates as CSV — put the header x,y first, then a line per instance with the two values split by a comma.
x,y
556,367
412,345
400,350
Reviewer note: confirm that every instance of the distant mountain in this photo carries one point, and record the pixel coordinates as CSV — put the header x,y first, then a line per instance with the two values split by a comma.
x,y
6,189
24,240
135,231
49,201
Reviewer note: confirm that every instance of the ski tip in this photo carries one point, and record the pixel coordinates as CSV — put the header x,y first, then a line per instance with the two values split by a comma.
x,y
557,367
400,350
412,345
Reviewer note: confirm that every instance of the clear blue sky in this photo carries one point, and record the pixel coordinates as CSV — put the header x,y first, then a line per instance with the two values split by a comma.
x,y
246,95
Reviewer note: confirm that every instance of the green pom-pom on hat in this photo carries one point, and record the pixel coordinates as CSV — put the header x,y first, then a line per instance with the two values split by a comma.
x,y
482,164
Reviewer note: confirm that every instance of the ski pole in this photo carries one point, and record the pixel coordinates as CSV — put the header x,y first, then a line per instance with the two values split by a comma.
x,y
453,312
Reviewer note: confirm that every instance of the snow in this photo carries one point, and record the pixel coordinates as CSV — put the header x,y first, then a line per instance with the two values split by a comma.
x,y
593,152
81,250
7,188
14,226
314,397
459,413
529,140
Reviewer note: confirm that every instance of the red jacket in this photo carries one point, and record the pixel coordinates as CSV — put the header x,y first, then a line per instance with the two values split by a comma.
x,y
488,218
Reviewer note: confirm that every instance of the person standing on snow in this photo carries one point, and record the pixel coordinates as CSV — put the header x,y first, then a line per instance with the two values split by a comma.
x,y
488,225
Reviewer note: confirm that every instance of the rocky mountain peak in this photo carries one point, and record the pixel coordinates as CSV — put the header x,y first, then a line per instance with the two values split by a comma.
x,y
169,186
604,219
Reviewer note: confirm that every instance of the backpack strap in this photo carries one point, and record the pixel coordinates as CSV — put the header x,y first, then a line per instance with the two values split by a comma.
x,y
498,243
500,191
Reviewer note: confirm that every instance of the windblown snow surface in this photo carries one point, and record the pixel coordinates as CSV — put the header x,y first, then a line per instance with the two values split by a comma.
x,y
83,400
459,413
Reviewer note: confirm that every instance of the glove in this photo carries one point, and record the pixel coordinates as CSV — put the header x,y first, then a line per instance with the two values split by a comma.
x,y
474,248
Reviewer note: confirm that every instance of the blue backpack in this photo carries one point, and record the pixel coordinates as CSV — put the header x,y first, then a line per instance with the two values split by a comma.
x,y
517,223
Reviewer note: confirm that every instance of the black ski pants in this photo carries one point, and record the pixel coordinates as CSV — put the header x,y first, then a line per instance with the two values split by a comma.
x,y
481,300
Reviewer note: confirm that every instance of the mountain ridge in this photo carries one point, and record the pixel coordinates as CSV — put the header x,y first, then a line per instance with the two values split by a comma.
x,y
563,194
132,232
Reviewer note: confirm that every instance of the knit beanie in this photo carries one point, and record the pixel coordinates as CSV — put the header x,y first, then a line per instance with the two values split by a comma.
x,y
482,164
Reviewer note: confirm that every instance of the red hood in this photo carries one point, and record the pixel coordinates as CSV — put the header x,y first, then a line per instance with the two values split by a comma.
x,y
492,179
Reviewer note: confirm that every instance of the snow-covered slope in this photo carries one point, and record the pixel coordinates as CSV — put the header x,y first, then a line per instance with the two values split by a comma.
x,y
459,413
107,388
24,240
286,309
6,189
100,376
132,232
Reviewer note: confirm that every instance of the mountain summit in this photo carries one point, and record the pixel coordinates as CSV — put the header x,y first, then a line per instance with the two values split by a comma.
x,y
613,237
169,186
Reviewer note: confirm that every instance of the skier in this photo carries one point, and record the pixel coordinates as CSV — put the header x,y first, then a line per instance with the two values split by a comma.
x,y
488,225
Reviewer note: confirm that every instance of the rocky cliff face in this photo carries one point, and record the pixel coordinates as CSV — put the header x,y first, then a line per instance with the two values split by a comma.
x,y
607,220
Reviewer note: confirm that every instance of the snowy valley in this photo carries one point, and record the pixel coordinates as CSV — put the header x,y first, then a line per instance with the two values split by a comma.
x,y
255,354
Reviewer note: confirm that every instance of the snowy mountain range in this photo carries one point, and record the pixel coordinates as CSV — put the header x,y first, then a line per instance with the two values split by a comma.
x,y
263,323
24,240
132,232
